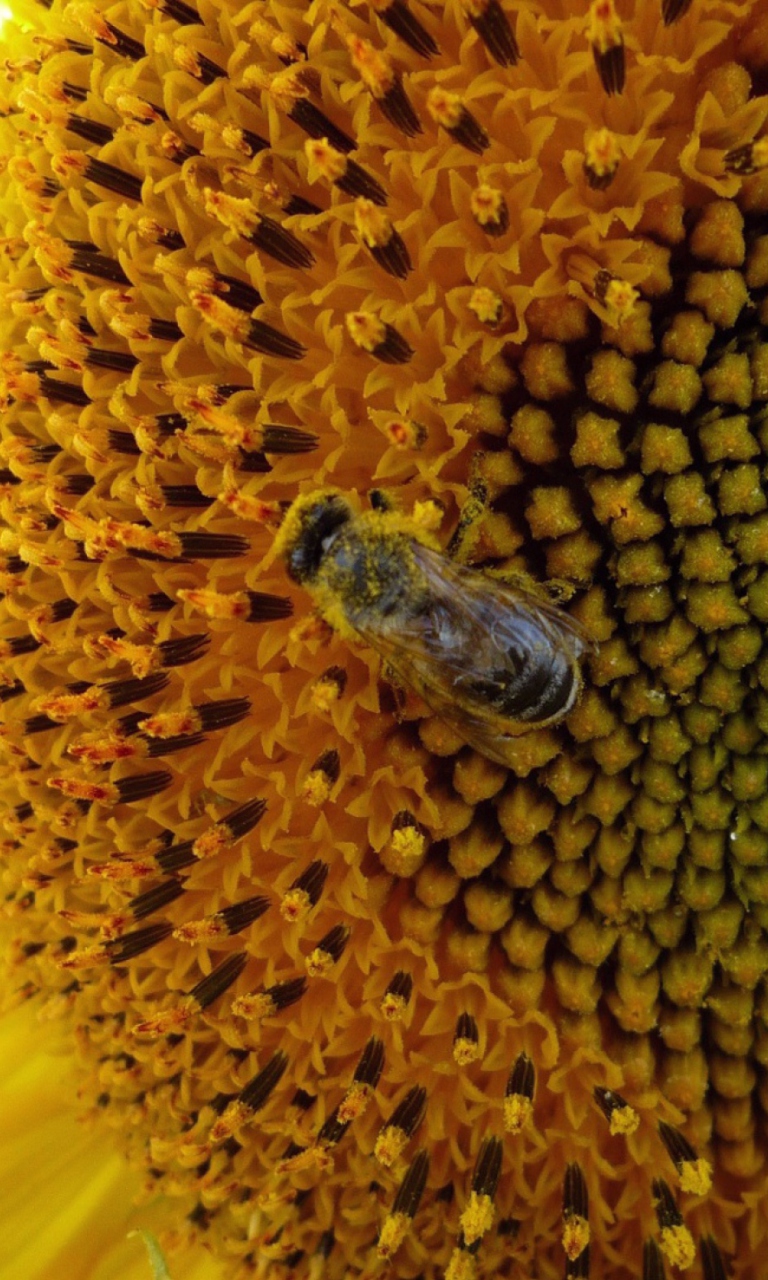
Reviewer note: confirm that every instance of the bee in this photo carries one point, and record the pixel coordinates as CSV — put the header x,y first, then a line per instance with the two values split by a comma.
x,y
492,660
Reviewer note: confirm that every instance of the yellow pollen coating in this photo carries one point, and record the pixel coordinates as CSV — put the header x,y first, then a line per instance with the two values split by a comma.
x,y
518,1112
576,1236
624,1121
392,1234
316,787
487,203
365,329
445,108
389,1145
604,25
373,225
465,1051
696,1177
393,1007
678,1246
477,1218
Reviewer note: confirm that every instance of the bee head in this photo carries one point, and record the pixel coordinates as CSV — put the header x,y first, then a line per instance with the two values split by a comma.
x,y
304,534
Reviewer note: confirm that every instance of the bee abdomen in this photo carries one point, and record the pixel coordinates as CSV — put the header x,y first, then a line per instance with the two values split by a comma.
x,y
542,690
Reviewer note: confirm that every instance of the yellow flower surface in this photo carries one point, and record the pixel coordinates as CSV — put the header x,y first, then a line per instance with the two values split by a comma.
x,y
350,998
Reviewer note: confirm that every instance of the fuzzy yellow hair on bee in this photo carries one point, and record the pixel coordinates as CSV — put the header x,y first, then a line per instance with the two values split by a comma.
x,y
492,660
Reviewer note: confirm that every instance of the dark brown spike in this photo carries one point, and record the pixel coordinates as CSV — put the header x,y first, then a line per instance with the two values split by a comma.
x,y
165,330
277,438
91,130
398,17
268,608
213,546
394,349
176,858
312,880
256,1094
136,943
369,1068
253,461
333,1130
63,393
575,1197
674,10
411,1188
334,942
103,268
522,1077
281,244
494,30
22,644
123,442
393,256
487,1171
39,723
303,1100
184,649
185,495
469,133
155,899
121,692
653,1261
667,1211
119,42
397,107
742,160
329,764
401,985
271,342
409,1113
611,67
316,124
678,1147
241,821
578,1268
157,747
712,1263
219,980
466,1029
77,485
9,691
181,12
242,914
142,785
356,181
284,994
111,178
222,714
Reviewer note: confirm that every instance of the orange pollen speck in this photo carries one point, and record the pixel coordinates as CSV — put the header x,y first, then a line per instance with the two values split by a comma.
x,y
575,1236
80,789
236,1114
354,1102
168,1020
445,108
518,1112
372,224
211,842
215,604
257,1004
462,1266
604,27
365,329
389,1145
393,1007
486,305
486,203
201,930
142,658
318,962
296,905
393,1232
88,958
316,787
602,153
465,1051
103,749
373,67
330,163
171,724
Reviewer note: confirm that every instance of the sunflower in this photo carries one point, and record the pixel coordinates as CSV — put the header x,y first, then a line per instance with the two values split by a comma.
x,y
347,997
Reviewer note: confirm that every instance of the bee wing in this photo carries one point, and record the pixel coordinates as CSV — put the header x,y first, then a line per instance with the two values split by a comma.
x,y
491,659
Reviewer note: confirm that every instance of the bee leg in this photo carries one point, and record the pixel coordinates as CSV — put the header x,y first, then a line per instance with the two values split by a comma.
x,y
465,536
